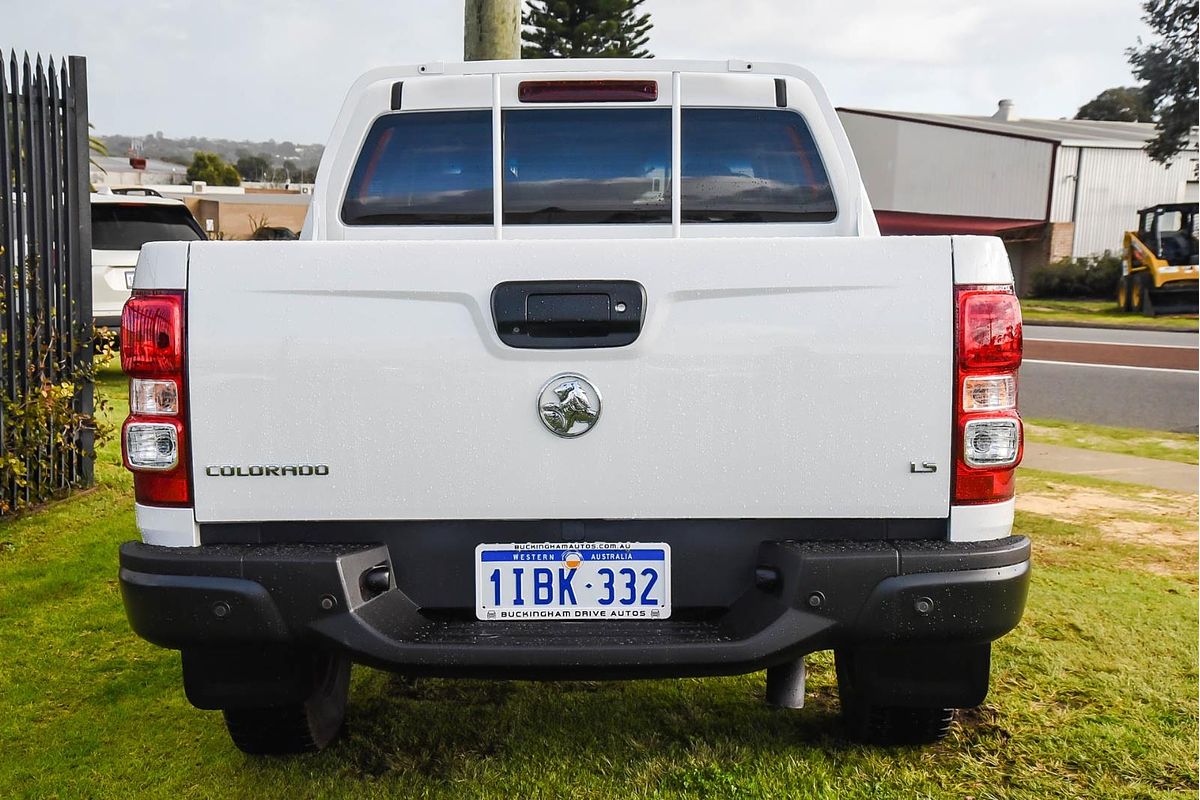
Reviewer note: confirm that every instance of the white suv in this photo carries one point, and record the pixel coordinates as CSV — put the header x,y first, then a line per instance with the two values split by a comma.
x,y
122,222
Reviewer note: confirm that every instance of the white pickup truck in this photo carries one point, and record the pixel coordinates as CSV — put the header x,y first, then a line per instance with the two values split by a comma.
x,y
587,370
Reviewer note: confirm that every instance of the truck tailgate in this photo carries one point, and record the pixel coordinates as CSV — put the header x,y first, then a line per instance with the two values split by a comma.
x,y
796,378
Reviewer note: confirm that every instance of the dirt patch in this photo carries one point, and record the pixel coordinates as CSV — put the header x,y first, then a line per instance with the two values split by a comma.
x,y
1129,518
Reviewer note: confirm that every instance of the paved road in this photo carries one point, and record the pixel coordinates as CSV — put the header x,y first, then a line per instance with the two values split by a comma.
x,y
1112,335
1141,379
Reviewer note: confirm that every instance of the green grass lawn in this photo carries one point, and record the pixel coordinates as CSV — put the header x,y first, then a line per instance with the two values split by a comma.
x,y
1100,313
1181,447
1094,696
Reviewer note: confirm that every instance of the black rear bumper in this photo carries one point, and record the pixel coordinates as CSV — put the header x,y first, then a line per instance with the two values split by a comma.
x,y
802,597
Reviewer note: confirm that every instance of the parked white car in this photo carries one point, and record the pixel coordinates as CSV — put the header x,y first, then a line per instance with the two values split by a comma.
x,y
614,377
123,221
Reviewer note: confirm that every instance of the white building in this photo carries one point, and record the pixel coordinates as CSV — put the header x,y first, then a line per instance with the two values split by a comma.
x,y
133,171
1049,188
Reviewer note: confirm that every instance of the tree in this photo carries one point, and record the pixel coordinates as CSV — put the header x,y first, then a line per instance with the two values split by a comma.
x,y
585,29
1168,67
491,29
1118,104
253,168
213,170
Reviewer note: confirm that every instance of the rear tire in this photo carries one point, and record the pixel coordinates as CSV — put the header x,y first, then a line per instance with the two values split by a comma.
x,y
301,727
872,723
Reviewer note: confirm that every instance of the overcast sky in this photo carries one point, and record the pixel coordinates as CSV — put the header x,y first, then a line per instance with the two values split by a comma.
x,y
262,69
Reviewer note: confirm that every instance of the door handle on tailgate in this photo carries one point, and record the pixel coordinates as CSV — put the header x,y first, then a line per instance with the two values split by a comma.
x,y
568,314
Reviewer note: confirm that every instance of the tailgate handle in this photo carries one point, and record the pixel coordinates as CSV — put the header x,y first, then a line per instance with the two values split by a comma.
x,y
568,314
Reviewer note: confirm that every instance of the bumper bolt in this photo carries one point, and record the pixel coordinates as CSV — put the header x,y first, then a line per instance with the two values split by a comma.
x,y
328,602
221,609
816,600
923,605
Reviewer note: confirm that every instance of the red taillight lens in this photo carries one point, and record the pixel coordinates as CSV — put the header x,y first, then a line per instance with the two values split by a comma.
x,y
973,486
154,436
989,330
174,490
989,439
152,334
603,91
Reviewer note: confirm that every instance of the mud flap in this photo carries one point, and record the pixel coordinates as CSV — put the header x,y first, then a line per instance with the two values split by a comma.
x,y
251,677
920,676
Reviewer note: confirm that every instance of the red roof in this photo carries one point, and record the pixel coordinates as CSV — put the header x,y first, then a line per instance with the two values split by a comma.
x,y
910,223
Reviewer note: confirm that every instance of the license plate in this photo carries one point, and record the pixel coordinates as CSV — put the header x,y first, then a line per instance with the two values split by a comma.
x,y
129,279
573,581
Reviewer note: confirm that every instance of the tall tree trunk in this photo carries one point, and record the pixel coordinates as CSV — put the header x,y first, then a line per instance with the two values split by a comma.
x,y
492,29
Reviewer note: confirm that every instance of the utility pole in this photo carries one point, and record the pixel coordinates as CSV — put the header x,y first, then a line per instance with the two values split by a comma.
x,y
491,30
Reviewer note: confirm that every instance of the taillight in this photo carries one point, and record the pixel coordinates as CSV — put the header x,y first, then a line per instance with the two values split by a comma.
x,y
152,333
988,435
989,329
154,436
588,91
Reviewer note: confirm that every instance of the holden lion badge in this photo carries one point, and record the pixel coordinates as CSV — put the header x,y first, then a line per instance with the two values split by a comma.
x,y
568,405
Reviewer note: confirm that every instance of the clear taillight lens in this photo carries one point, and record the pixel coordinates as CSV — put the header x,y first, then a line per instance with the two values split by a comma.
x,y
149,396
991,442
989,392
151,445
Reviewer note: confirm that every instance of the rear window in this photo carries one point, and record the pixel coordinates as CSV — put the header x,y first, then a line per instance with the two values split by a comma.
x,y
587,165
590,166
751,165
117,226
424,168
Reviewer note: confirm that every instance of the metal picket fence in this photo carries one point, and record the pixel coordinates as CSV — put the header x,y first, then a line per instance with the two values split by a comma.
x,y
46,328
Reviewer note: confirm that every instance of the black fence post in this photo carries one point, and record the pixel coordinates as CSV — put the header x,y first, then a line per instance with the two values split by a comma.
x,y
81,254
8,361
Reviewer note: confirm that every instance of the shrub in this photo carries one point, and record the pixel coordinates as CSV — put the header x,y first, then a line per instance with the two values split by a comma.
x,y
1090,276
43,429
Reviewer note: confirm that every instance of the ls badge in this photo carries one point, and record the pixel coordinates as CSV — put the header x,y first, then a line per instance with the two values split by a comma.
x,y
568,405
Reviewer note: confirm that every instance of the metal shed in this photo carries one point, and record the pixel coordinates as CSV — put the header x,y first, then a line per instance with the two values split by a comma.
x,y
1049,188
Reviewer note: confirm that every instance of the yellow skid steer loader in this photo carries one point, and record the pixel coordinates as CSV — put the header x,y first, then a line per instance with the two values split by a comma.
x,y
1159,273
